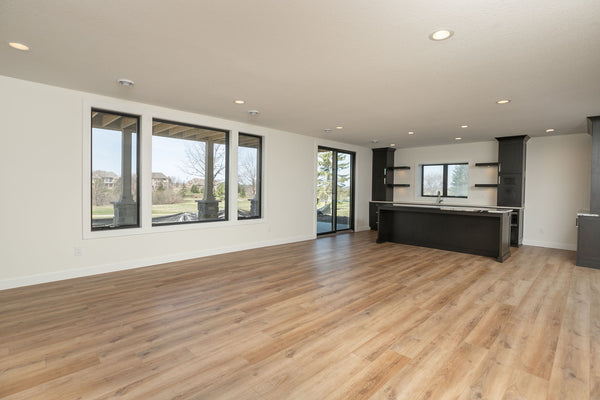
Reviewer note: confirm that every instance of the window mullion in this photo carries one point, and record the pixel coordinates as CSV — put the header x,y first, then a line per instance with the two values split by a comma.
x,y
445,184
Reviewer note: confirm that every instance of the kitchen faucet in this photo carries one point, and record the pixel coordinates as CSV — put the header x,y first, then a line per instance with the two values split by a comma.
x,y
439,198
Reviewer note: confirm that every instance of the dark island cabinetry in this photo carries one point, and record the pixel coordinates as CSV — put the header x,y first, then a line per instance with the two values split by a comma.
x,y
481,232
374,213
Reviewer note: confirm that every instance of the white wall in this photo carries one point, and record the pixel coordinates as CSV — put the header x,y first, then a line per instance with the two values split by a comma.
x,y
557,182
454,153
557,186
41,200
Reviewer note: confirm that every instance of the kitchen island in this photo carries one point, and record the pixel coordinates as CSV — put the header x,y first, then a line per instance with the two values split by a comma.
x,y
481,231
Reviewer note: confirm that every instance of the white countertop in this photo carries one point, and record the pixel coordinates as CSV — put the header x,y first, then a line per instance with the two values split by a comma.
x,y
586,213
452,207
448,207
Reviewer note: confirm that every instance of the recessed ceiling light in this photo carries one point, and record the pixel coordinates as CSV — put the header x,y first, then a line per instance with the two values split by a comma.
x,y
254,113
18,46
125,82
442,34
503,101
458,138
339,127
411,133
549,130
239,101
464,126
392,144
327,130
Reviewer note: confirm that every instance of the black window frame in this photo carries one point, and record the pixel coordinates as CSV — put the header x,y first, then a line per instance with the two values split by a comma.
x,y
352,155
137,167
259,170
445,179
227,150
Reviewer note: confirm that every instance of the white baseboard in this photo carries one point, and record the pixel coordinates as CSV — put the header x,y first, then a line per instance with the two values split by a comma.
x,y
362,228
552,245
146,262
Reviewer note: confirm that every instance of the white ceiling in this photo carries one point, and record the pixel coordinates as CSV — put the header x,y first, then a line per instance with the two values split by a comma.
x,y
307,65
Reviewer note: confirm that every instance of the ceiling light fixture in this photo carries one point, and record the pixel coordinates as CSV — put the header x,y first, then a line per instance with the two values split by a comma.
x,y
503,101
458,138
392,144
18,46
125,82
549,130
411,133
464,126
442,34
339,127
254,113
327,130
374,141
239,101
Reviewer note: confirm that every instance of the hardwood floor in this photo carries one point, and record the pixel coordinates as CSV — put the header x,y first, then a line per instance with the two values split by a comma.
x,y
335,318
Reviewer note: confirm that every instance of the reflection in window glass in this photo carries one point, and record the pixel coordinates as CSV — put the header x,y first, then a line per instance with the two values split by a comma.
x,y
189,173
433,180
114,170
343,191
458,180
249,176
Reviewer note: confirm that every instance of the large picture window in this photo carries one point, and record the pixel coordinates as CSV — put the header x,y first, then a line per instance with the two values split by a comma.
x,y
446,180
189,173
115,166
249,176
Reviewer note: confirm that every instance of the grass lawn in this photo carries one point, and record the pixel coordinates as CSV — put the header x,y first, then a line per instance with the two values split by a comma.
x,y
188,205
103,211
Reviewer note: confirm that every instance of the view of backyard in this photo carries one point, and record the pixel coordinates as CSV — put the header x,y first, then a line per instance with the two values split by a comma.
x,y
189,172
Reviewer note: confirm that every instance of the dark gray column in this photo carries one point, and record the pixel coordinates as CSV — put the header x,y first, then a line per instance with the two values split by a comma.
x,y
209,172
208,207
594,130
126,207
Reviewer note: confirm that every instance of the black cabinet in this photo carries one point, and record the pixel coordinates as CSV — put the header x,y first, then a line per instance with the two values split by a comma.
x,y
382,181
374,214
516,227
594,130
511,170
510,190
511,154
588,232
512,151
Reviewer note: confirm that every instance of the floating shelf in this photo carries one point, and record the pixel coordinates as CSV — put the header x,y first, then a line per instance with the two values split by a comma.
x,y
487,164
400,167
398,184
486,185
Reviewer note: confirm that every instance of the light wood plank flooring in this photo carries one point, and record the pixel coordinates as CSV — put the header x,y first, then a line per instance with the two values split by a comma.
x,y
335,318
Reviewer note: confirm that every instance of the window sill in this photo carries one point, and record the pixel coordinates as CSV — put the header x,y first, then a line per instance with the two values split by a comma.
x,y
147,230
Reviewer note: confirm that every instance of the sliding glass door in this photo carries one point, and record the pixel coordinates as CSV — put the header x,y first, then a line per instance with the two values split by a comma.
x,y
335,190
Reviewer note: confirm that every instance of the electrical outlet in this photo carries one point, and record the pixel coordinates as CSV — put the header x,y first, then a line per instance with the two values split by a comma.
x,y
77,251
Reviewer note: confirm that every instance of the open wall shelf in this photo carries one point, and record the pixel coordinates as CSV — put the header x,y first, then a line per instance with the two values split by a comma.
x,y
486,185
398,184
487,164
400,167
